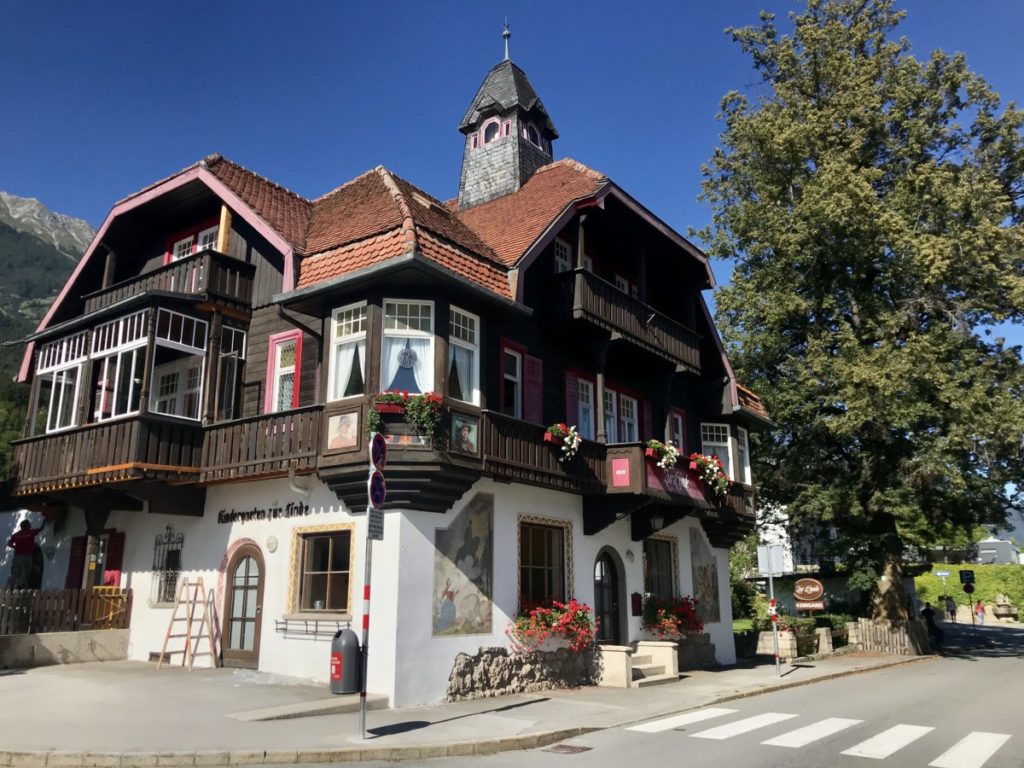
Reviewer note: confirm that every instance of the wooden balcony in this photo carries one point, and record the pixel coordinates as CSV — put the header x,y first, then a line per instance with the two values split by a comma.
x,y
262,446
208,273
582,295
140,447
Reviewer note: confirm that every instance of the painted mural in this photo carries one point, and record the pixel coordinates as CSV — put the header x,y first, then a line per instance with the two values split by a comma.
x,y
464,571
705,578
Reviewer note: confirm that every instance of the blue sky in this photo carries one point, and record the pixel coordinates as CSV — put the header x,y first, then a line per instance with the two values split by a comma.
x,y
100,99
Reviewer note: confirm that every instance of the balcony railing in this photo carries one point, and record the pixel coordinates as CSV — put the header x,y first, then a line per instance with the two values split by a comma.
x,y
515,450
207,272
580,294
126,449
67,610
261,446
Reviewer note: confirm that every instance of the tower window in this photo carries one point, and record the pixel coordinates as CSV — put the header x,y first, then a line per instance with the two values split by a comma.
x,y
491,131
533,135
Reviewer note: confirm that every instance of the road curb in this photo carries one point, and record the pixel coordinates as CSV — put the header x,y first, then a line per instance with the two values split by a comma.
x,y
59,759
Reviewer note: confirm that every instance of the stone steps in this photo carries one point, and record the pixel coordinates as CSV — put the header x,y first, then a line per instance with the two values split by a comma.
x,y
643,682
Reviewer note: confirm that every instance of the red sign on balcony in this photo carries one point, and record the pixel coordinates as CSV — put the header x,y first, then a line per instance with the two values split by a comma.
x,y
620,473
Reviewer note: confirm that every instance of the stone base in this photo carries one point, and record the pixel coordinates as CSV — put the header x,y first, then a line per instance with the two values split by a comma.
x,y
498,671
787,645
22,651
614,666
696,652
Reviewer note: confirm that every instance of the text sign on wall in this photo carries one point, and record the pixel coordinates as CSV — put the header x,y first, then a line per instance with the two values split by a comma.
x,y
810,605
375,524
808,590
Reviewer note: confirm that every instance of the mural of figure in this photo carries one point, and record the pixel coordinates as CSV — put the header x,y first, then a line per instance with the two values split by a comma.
x,y
705,578
463,571
446,610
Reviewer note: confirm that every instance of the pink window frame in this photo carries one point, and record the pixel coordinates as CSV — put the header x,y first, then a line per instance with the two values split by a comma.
x,y
483,130
272,344
192,232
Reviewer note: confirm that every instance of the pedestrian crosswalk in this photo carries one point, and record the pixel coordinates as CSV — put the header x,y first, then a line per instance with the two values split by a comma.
x,y
972,751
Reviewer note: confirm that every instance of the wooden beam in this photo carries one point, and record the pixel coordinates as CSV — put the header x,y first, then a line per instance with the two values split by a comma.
x,y
224,230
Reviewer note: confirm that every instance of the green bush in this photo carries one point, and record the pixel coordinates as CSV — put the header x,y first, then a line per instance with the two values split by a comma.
x,y
989,581
833,621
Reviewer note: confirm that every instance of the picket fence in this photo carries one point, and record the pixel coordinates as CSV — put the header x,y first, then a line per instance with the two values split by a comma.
x,y
25,611
902,638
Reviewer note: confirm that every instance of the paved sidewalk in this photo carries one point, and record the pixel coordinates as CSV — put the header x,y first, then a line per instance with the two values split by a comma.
x,y
129,714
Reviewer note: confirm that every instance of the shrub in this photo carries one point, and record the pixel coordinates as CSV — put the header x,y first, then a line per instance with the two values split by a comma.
x,y
670,617
989,581
571,621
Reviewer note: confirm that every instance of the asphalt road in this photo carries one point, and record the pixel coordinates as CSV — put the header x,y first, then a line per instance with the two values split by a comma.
x,y
964,709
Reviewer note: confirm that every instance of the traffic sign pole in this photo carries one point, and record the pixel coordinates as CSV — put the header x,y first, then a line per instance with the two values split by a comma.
x,y
774,611
376,492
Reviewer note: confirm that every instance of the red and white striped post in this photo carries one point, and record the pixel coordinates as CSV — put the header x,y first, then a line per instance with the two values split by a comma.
x,y
366,635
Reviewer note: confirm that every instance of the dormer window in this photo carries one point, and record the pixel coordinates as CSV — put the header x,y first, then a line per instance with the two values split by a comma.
x,y
492,131
533,136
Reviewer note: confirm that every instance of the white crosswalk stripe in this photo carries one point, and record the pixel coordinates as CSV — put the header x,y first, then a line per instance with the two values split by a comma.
x,y
801,737
972,751
889,742
677,721
743,726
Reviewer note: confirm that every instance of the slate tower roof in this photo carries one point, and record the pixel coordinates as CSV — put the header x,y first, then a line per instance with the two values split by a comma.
x,y
505,87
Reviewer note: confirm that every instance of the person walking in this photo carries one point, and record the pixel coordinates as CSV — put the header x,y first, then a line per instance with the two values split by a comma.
x,y
928,614
951,608
979,612
23,542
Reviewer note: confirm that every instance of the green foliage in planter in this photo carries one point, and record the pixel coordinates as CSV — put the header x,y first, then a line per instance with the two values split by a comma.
x,y
989,581
833,621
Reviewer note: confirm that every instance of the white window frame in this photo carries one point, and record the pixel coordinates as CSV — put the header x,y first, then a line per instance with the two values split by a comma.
x,y
611,417
743,456
622,284
179,341
677,429
110,344
57,360
428,383
517,400
472,345
587,262
712,442
629,428
562,256
585,423
338,341
194,242
497,131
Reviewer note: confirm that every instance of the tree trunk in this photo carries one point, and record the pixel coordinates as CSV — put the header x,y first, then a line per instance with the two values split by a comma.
x,y
890,598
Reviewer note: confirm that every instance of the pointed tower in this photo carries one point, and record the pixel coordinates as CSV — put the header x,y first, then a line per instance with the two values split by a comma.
x,y
508,135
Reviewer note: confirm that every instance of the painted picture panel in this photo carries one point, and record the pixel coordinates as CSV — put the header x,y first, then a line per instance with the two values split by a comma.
x,y
705,578
464,571
343,431
464,434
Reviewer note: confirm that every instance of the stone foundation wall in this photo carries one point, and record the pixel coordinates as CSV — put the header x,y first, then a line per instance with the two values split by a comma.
x,y
22,651
497,671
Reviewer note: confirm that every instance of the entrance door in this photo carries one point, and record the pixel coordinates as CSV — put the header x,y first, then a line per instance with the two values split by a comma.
x,y
606,599
243,609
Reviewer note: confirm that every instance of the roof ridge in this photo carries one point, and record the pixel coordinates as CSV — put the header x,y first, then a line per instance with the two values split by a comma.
x,y
408,223
211,160
576,165
348,183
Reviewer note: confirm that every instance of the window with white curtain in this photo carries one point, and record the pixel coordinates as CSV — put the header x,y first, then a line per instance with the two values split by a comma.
x,y
610,422
463,356
585,408
627,419
407,349
348,352
743,457
59,372
714,440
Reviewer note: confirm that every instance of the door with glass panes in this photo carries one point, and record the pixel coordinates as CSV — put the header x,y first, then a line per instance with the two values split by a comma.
x,y
243,609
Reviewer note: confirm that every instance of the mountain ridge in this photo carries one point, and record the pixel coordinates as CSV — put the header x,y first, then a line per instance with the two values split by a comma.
x,y
68,235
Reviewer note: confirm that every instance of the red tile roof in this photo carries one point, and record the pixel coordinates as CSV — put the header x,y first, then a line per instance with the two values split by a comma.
x,y
751,402
511,224
349,258
362,208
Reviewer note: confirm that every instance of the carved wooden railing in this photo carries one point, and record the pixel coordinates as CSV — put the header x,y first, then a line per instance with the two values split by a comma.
x,y
111,451
204,272
515,450
589,297
740,500
260,446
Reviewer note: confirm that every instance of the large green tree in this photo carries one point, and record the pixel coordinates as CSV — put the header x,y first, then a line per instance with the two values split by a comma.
x,y
872,203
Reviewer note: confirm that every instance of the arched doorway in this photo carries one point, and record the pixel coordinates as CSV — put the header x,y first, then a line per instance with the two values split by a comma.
x,y
606,599
243,608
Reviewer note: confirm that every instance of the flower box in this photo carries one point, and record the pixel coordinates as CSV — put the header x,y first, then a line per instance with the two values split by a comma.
x,y
389,408
550,437
650,454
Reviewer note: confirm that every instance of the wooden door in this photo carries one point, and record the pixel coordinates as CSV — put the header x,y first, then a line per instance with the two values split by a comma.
x,y
243,609
606,599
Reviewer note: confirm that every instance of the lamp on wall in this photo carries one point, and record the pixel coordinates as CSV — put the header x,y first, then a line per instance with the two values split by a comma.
x,y
657,521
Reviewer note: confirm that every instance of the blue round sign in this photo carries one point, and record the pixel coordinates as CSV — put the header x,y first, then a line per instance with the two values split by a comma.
x,y
378,450
377,490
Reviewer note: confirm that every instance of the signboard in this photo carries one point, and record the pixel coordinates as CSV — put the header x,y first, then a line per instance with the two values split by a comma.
x,y
810,605
376,489
941,574
808,589
620,473
969,588
378,451
375,525
770,560
966,577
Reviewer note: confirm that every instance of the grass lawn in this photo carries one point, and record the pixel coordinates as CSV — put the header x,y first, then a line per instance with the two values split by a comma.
x,y
742,625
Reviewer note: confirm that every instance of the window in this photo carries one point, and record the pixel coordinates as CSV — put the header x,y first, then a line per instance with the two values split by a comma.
x,y
192,242
232,359
743,457
491,131
179,360
622,283
610,423
166,566
512,383
407,356
714,440
627,419
541,564
585,408
118,353
677,430
325,568
283,372
348,352
463,356
659,567
533,135
563,256
588,263
59,372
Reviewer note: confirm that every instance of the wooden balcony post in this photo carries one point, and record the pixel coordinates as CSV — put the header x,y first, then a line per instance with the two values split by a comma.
x,y
580,251
109,267
601,360
147,366
211,392
224,230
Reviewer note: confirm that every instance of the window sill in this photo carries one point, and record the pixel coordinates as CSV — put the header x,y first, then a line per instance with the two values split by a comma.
x,y
317,616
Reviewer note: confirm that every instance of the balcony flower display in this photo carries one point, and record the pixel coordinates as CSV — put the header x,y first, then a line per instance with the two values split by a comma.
x,y
666,453
571,622
422,411
710,470
565,436
671,618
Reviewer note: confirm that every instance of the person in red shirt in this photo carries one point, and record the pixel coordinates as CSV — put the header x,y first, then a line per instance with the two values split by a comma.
x,y
23,542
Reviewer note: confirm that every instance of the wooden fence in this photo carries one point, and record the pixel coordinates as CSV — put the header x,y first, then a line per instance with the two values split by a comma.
x,y
902,638
33,611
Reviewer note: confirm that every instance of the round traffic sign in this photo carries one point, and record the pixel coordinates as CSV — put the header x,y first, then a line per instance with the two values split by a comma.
x,y
968,588
378,450
377,490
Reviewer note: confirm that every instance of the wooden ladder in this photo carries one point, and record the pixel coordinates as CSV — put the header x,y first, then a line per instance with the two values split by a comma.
x,y
191,597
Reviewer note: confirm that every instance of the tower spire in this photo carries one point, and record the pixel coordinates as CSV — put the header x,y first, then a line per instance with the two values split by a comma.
x,y
506,34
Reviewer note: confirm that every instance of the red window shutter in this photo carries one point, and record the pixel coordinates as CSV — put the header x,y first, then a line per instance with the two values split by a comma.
x,y
648,418
76,563
572,395
533,389
115,559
